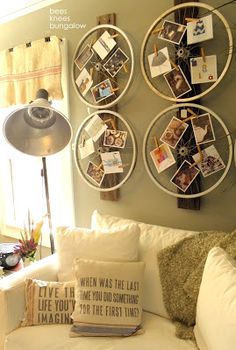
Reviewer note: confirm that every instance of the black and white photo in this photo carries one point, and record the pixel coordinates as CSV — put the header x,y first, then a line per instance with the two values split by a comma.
x,y
116,62
203,129
172,32
177,82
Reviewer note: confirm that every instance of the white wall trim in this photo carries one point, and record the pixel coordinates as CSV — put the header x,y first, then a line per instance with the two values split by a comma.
x,y
11,11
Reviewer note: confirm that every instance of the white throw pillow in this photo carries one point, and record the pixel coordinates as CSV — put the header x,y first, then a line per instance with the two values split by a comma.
x,y
108,298
215,327
83,243
153,238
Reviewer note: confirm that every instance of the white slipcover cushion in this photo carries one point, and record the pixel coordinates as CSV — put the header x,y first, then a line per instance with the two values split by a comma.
x,y
118,245
215,327
153,238
159,335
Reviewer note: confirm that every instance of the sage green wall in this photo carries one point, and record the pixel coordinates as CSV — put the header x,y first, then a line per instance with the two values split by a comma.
x,y
140,199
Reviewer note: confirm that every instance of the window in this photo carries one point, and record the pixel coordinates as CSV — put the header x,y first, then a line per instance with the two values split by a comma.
x,y
22,183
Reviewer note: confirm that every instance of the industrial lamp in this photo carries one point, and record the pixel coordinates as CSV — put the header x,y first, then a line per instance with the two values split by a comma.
x,y
39,130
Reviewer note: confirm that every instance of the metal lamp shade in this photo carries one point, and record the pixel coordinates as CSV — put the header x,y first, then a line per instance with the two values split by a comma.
x,y
37,129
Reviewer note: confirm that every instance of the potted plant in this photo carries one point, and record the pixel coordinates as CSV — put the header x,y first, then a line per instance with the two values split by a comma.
x,y
29,242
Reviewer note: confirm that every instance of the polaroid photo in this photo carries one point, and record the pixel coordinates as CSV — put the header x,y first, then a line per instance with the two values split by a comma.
x,y
177,82
162,157
211,162
116,62
104,45
86,148
203,129
112,162
95,127
115,138
200,30
203,72
172,32
173,132
102,90
83,57
84,82
95,173
159,63
184,176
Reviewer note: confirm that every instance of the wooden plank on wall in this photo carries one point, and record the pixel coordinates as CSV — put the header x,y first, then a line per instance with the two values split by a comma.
x,y
109,18
189,203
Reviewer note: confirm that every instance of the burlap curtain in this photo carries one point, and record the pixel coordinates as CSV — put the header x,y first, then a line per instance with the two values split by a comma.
x,y
27,68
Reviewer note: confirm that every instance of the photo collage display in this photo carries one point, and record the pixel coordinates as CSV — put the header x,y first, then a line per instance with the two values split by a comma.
x,y
97,134
110,57
202,69
207,163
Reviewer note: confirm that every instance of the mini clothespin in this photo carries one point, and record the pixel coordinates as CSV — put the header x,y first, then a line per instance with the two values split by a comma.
x,y
190,19
193,115
155,50
113,124
91,43
157,30
110,120
123,165
125,68
173,64
203,54
114,89
91,72
156,142
100,165
83,141
113,36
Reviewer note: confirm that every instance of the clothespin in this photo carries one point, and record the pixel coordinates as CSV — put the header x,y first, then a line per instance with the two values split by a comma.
x,y
123,165
191,111
193,115
91,72
155,50
110,120
189,118
113,36
91,43
113,124
83,141
114,89
125,68
174,65
100,165
200,158
203,54
190,19
157,30
156,142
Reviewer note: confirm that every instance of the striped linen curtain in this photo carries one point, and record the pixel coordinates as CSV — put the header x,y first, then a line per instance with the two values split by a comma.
x,y
29,67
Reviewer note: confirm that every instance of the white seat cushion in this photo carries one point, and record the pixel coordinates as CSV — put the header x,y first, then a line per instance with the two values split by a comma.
x,y
153,238
159,334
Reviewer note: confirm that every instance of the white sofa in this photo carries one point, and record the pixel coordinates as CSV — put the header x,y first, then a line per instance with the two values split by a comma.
x,y
159,331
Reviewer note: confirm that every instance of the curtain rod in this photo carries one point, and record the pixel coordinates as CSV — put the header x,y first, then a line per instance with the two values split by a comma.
x,y
46,38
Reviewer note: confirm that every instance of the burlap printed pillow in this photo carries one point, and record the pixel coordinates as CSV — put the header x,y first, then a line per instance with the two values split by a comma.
x,y
48,302
108,298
